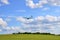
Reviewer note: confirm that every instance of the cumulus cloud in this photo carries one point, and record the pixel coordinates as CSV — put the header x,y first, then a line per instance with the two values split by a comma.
x,y
13,29
5,1
41,3
51,18
3,23
46,23
40,18
54,2
42,24
30,3
24,20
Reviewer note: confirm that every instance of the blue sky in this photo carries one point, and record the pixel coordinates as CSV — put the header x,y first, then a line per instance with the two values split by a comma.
x,y
46,16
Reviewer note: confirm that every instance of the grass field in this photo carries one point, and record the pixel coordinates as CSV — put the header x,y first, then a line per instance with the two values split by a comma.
x,y
29,37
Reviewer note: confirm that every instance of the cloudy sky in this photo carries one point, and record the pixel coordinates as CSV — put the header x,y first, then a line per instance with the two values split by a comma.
x,y
44,16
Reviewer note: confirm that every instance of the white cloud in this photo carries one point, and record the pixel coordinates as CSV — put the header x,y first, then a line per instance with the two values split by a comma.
x,y
58,18
51,18
21,19
30,3
5,1
48,18
54,2
39,18
24,20
9,18
7,28
3,23
0,30
41,3
14,29
46,23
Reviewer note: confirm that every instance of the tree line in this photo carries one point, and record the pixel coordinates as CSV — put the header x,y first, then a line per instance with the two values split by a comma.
x,y
33,33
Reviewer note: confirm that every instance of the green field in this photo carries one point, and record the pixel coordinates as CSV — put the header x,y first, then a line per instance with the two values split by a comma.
x,y
29,37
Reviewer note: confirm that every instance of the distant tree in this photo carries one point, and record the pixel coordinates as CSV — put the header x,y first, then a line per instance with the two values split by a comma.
x,y
13,33
18,33
27,33
45,33
33,33
37,32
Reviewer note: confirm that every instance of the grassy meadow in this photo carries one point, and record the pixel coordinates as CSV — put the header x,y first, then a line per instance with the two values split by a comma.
x,y
29,37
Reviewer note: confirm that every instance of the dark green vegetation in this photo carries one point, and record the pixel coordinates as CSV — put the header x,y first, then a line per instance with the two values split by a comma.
x,y
29,37
34,33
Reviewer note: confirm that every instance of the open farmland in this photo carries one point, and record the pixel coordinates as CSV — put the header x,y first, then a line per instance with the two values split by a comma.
x,y
29,37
